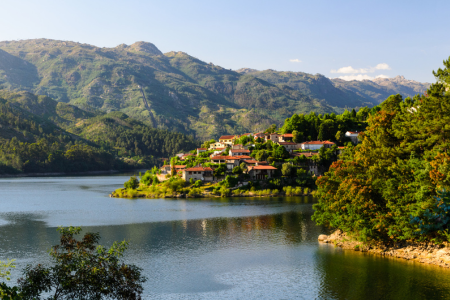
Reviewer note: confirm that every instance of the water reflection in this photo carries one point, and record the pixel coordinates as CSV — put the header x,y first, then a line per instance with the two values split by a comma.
x,y
208,248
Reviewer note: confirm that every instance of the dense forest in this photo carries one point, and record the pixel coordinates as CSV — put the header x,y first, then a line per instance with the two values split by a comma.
x,y
393,186
40,135
332,127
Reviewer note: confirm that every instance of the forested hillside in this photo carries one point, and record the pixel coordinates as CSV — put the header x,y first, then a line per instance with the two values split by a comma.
x,y
38,134
393,186
173,91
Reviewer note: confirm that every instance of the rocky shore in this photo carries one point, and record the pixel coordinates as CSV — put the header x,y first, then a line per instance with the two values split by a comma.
x,y
426,253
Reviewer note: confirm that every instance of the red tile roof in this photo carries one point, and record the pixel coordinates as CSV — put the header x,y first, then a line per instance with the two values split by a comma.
x,y
239,151
353,132
223,157
180,166
287,143
198,169
226,137
341,147
241,157
318,143
288,135
262,168
201,149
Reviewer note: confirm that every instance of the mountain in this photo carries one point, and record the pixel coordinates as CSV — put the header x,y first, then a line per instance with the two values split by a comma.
x,y
380,88
176,91
339,93
173,91
39,134
315,86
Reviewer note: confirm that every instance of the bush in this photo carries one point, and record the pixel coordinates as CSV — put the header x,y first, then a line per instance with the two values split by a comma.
x,y
224,192
133,183
198,183
230,181
237,170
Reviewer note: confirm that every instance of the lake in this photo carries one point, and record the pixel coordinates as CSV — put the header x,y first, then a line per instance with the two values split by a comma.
x,y
237,248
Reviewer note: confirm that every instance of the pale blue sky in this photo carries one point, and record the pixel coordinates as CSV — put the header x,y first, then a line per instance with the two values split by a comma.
x,y
409,38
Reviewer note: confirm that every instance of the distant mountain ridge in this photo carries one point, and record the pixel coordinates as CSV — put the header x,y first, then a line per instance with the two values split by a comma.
x,y
336,91
174,90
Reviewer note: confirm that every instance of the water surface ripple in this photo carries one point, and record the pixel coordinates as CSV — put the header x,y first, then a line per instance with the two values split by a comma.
x,y
207,248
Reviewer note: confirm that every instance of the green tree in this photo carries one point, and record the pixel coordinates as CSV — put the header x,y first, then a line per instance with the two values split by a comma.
x,y
173,171
133,183
237,170
198,183
286,169
83,270
220,170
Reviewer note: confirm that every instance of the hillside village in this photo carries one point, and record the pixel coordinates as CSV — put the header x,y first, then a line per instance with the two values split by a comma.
x,y
284,161
247,155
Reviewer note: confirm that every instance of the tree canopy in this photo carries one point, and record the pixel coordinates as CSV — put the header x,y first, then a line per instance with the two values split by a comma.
x,y
395,174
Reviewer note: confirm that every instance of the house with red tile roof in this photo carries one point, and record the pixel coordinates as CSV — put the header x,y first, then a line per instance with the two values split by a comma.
x,y
289,146
227,139
261,172
235,152
198,173
200,150
287,137
316,145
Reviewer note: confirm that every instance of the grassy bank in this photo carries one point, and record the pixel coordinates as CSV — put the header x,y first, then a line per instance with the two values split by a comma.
x,y
177,188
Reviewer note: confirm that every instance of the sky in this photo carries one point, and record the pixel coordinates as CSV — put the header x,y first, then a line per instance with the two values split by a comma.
x,y
346,39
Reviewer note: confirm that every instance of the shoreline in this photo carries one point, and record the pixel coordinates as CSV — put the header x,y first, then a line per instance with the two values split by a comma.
x,y
55,174
144,195
426,253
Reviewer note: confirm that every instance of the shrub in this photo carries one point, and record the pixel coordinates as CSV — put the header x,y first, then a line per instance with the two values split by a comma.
x,y
198,183
224,192
147,178
133,183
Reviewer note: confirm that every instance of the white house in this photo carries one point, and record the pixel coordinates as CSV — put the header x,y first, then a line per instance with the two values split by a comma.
x,y
353,135
316,145
200,150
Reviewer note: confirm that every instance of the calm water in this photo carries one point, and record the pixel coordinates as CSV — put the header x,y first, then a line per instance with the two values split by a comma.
x,y
207,249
